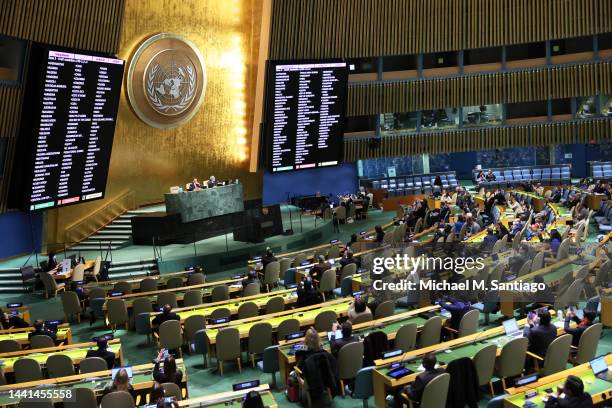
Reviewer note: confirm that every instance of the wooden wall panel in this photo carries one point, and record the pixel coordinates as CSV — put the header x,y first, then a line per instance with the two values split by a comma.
x,y
583,131
93,25
504,87
303,29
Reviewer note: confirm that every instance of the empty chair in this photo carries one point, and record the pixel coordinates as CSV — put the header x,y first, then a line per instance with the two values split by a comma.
x,y
148,285
435,392
7,346
328,282
193,297
197,278
538,261
260,338
512,359
349,270
324,321
174,282
27,369
41,341
362,318
96,293
141,305
92,365
82,398
248,309
122,286
350,361
484,361
230,338
167,298
59,365
363,388
430,334
221,313
117,399
285,263
275,304
286,327
385,309
220,293
469,323
50,285
170,336
405,338
72,305
346,287
269,362
288,277
78,273
271,275
587,345
192,325
117,313
172,390
253,288
525,269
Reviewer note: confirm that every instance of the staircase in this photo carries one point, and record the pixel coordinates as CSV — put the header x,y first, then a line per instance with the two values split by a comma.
x,y
117,234
10,281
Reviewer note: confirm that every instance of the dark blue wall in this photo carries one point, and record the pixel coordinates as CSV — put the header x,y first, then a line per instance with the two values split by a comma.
x,y
20,233
326,180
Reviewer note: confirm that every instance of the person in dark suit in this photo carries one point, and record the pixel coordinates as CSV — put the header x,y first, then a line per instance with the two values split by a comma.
x,y
380,234
489,240
321,266
268,257
347,258
251,278
307,295
11,321
103,352
194,185
415,390
212,182
347,337
169,373
587,320
52,263
41,330
164,316
575,397
541,334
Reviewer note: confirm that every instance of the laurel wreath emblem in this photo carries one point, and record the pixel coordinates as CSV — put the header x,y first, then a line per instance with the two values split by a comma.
x,y
185,100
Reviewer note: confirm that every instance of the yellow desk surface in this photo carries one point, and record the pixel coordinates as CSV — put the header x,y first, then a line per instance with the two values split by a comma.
x,y
108,285
64,334
231,398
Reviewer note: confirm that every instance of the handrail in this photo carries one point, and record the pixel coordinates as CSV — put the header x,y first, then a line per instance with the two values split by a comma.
x,y
90,224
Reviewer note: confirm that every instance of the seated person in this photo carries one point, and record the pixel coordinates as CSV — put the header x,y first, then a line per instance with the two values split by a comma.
x,y
574,397
41,330
347,258
380,234
103,352
555,196
321,266
357,308
268,257
251,278
489,240
318,366
312,344
490,176
253,400
347,337
471,227
352,241
459,224
539,190
415,390
517,226
481,177
11,321
307,295
555,241
169,374
194,185
121,382
52,263
457,309
157,394
588,317
533,231
514,205
212,182
501,230
164,316
540,332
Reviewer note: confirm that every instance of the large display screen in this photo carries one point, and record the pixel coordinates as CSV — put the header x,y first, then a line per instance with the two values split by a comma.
x,y
67,127
305,116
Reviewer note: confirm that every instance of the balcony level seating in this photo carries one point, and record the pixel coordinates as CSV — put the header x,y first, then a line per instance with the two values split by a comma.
x,y
514,176
412,185
601,170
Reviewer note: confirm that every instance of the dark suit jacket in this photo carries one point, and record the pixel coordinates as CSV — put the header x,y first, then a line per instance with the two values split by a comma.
x,y
307,297
160,318
161,377
576,332
336,345
415,390
582,401
317,271
540,338
107,355
43,332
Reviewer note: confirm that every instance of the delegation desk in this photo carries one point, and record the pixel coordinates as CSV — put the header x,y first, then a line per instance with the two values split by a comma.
x,y
230,398
22,311
388,325
255,263
64,334
63,276
599,389
135,282
142,381
289,296
77,352
445,352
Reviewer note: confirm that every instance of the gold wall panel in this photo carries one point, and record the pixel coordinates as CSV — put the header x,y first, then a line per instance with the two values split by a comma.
x,y
503,87
215,141
303,29
10,102
548,134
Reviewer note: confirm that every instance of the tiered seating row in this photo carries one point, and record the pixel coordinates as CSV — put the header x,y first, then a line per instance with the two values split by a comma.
x,y
417,184
512,176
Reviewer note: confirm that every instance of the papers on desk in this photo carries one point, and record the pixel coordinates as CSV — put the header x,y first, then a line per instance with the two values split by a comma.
x,y
560,325
236,285
421,368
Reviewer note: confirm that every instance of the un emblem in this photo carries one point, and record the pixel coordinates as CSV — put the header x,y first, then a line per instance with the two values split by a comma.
x,y
166,80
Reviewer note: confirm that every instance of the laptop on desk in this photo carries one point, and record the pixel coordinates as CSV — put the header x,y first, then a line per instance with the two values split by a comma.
x,y
600,368
512,329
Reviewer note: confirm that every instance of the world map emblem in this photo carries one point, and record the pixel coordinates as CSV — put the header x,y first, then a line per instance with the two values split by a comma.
x,y
166,80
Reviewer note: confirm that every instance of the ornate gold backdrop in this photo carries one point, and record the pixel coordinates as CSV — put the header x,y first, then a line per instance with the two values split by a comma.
x,y
216,141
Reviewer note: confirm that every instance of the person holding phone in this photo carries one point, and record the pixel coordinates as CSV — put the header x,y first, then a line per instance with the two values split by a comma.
x,y
540,332
571,395
169,373
588,316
